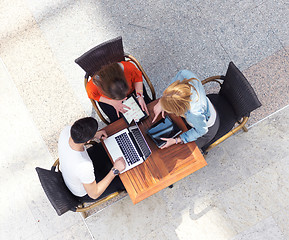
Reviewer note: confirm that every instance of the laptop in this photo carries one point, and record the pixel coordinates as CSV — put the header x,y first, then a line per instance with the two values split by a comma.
x,y
130,144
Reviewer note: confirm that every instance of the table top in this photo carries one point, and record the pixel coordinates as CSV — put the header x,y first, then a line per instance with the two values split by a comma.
x,y
164,167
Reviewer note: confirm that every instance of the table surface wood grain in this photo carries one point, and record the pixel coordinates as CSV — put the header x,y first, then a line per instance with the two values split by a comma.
x,y
164,167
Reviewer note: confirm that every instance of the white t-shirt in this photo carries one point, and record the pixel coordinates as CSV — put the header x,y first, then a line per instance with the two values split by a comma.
x,y
76,166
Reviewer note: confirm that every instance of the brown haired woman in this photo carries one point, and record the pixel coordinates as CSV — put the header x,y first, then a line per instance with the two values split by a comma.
x,y
186,97
112,84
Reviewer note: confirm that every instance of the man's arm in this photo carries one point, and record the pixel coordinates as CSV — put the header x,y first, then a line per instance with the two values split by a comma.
x,y
94,190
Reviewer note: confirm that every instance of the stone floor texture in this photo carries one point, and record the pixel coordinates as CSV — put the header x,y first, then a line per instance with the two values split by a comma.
x,y
243,192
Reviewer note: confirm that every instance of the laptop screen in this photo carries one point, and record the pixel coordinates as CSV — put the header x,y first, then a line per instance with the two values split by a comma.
x,y
139,140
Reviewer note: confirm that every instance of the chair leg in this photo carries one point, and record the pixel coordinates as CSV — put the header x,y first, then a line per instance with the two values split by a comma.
x,y
245,129
84,214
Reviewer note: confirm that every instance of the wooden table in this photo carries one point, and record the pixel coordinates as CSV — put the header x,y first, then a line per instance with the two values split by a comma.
x,y
164,167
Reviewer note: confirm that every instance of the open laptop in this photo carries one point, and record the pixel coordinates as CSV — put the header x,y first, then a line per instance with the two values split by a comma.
x,y
130,144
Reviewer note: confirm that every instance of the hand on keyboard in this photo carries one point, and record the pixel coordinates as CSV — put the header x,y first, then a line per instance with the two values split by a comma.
x,y
119,164
100,135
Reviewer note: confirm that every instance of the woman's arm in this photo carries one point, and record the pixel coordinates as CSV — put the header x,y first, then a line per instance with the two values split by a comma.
x,y
134,77
138,86
157,110
139,94
199,128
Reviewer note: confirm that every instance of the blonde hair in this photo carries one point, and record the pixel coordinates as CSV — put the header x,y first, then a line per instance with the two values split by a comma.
x,y
177,97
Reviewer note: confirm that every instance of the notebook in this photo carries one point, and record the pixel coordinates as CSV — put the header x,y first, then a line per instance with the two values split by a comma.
x,y
165,128
130,144
135,112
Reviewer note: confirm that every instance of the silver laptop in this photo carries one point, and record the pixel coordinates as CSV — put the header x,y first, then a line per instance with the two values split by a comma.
x,y
130,144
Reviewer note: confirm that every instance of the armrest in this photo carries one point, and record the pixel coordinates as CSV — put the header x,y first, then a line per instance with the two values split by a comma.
x,y
213,79
94,103
55,165
230,133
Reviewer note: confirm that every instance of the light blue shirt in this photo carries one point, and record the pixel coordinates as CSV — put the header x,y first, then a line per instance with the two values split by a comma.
x,y
199,113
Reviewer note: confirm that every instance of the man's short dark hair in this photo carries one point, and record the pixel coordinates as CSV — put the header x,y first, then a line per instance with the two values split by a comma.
x,y
83,130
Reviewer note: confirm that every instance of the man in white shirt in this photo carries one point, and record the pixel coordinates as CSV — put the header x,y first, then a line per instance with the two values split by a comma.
x,y
88,173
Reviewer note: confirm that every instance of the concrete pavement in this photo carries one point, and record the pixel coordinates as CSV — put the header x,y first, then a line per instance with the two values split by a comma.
x,y
243,193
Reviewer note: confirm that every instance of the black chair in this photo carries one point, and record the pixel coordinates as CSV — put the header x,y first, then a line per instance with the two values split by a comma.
x,y
234,103
108,52
60,196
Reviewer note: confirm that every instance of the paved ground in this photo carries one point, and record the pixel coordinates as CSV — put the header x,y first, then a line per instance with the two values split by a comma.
x,y
243,193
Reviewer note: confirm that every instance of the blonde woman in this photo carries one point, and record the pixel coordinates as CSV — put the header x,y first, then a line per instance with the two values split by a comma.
x,y
186,97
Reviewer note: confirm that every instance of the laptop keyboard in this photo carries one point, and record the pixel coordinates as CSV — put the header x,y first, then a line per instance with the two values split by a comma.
x,y
142,144
127,149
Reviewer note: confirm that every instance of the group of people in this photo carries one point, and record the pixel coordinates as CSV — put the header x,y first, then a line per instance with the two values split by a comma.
x,y
89,173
